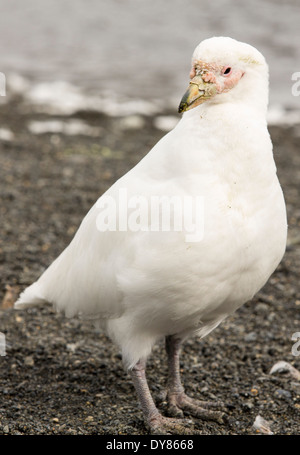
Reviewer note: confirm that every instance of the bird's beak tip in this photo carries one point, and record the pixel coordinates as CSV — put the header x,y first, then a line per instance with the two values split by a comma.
x,y
197,93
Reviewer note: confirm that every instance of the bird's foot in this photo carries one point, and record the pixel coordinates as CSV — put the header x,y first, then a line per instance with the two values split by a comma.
x,y
166,425
180,403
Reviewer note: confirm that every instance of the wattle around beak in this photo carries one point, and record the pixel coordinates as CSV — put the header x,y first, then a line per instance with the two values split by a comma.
x,y
197,93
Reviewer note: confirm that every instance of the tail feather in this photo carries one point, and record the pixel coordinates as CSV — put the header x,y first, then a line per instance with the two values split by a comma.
x,y
30,297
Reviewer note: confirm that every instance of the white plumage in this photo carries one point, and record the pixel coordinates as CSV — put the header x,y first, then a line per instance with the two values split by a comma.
x,y
147,285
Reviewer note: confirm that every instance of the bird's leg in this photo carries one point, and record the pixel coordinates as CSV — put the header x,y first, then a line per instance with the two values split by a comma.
x,y
138,375
157,423
179,402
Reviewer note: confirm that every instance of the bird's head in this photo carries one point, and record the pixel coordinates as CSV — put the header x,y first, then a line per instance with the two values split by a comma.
x,y
224,69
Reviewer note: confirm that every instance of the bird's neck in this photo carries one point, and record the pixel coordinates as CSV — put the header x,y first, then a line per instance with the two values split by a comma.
x,y
232,131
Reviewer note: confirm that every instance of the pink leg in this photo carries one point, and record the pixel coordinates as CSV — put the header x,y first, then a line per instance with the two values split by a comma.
x,y
179,402
153,418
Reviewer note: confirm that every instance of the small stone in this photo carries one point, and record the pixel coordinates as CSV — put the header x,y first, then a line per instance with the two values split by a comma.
x,y
261,425
247,405
29,361
271,316
55,420
283,367
72,347
283,394
262,308
10,296
250,337
6,429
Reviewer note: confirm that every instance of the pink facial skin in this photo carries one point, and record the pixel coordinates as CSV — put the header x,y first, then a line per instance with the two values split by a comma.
x,y
224,77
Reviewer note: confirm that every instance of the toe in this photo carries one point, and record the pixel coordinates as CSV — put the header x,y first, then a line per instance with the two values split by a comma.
x,y
205,410
175,411
204,414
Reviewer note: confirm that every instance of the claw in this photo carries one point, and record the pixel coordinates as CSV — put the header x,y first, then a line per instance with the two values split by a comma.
x,y
180,404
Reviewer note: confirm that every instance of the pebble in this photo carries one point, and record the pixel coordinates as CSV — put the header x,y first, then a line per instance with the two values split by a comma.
x,y
247,405
262,308
251,336
29,361
271,316
286,368
283,394
261,425
89,419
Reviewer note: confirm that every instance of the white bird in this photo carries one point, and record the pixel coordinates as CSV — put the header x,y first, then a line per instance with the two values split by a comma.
x,y
146,282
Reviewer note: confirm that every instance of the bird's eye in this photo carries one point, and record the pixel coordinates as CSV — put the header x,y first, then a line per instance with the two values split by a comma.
x,y
226,71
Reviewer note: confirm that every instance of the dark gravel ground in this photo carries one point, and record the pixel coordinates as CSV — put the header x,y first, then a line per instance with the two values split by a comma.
x,y
63,376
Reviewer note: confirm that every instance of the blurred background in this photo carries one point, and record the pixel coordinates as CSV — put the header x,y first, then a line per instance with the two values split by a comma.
x,y
140,50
